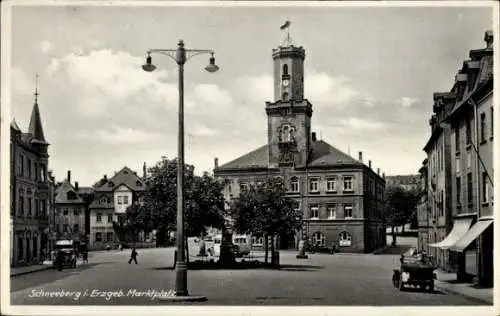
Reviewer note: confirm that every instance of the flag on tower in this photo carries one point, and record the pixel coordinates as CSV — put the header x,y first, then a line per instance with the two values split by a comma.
x,y
286,25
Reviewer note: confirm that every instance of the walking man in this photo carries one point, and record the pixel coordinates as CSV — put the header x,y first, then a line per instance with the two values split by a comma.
x,y
133,256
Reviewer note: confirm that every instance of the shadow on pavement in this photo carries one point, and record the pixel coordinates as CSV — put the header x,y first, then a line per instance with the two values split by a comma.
x,y
245,266
417,290
394,250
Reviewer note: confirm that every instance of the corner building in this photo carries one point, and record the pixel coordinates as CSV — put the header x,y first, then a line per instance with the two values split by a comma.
x,y
340,197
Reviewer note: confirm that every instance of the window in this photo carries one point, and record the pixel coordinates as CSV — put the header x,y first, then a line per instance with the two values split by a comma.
x,y
469,160
348,183
65,228
348,211
486,187
98,237
21,206
109,236
492,119
469,187
103,200
75,212
285,70
314,211
125,199
457,139
457,165
98,217
294,184
457,192
29,168
37,208
65,212
319,239
483,127
243,187
21,165
331,211
296,206
75,228
314,185
331,185
285,96
344,239
468,132
29,207
119,199
110,218
259,183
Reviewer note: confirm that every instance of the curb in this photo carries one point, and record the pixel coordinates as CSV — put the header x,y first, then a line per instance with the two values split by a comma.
x,y
30,271
451,291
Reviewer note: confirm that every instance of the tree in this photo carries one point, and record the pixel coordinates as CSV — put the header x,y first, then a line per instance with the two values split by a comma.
x,y
265,210
399,207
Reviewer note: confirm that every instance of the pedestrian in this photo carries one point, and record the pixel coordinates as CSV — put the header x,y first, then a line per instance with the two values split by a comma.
x,y
133,256
85,256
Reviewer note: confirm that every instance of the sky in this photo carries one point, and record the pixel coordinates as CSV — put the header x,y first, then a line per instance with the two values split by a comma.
x,y
369,72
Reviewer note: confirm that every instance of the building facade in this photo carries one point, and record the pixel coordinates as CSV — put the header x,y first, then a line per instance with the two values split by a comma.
x,y
439,179
423,209
341,198
69,212
112,197
472,147
471,160
29,187
408,182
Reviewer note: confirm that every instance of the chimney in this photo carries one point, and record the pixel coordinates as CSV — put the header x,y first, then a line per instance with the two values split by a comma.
x,y
360,154
216,162
105,177
69,176
383,175
144,170
488,38
313,136
76,185
378,171
369,164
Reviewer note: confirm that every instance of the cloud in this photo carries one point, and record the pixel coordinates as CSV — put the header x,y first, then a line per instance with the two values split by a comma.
x,y
361,124
255,89
407,102
320,87
46,46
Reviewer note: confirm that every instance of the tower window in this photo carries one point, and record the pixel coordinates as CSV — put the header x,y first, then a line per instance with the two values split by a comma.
x,y
285,70
285,96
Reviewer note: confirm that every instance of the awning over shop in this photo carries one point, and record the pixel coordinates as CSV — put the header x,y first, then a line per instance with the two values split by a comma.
x,y
460,228
471,235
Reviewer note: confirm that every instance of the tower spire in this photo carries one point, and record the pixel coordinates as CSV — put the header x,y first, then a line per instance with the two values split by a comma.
x,y
36,88
36,127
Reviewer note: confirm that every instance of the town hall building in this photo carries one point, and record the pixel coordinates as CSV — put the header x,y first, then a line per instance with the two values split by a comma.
x,y
340,197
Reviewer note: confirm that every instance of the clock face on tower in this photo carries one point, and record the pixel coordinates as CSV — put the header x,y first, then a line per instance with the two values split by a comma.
x,y
286,82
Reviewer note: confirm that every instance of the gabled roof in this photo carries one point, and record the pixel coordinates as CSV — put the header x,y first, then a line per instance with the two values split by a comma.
x,y
322,155
14,125
126,177
62,194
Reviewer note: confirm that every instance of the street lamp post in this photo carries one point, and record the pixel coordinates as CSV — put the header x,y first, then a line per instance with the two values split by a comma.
x,y
180,56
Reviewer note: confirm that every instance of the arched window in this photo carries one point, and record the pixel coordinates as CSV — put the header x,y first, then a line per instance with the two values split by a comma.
x,y
285,96
319,239
294,184
285,70
344,239
292,134
286,134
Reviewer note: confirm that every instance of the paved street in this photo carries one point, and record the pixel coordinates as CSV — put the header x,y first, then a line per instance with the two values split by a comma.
x,y
341,279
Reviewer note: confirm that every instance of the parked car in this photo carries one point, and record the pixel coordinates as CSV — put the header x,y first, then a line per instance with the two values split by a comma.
x,y
242,244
